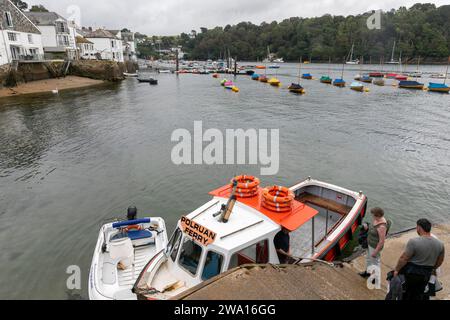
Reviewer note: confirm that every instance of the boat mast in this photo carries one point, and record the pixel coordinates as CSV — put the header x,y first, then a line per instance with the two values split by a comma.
x,y
393,51
446,71
329,66
299,69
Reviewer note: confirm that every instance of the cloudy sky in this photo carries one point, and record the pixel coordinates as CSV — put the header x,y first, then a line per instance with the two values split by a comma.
x,y
170,17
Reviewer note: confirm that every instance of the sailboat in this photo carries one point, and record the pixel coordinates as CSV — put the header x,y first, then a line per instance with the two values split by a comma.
x,y
263,78
379,76
357,86
326,79
350,56
340,81
410,84
440,87
393,61
296,87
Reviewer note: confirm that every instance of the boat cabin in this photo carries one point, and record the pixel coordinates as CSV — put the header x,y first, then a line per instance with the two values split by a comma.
x,y
203,245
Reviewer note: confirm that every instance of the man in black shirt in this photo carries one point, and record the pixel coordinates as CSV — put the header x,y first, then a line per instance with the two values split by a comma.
x,y
281,242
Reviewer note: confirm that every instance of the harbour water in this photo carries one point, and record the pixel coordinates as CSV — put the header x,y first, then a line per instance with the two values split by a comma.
x,y
69,162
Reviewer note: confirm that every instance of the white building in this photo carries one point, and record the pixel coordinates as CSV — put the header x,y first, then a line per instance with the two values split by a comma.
x,y
129,46
86,50
58,35
20,38
106,44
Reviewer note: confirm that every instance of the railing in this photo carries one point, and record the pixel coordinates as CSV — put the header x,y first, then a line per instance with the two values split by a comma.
x,y
29,57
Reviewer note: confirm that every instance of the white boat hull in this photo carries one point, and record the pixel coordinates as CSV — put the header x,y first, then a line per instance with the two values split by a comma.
x,y
106,280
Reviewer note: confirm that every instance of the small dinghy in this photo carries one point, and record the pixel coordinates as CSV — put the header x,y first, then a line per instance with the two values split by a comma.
x,y
122,251
307,76
263,79
130,75
339,83
366,79
250,72
357,86
326,79
438,87
148,80
255,77
296,88
274,82
378,81
411,85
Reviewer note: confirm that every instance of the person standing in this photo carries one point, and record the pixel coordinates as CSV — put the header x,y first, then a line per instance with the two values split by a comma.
x,y
282,245
421,257
376,236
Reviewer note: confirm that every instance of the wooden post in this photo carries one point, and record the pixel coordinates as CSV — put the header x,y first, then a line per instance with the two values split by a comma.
x,y
235,66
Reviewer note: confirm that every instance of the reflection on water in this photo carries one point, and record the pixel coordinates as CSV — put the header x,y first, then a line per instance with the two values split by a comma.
x,y
69,162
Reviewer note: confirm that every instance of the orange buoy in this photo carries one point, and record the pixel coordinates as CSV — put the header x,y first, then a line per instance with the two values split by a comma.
x,y
278,199
247,186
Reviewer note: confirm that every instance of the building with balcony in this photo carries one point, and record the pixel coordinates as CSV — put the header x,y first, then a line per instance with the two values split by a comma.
x,y
20,38
108,46
58,35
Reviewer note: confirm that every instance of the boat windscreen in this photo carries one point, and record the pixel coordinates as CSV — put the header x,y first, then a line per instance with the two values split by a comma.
x,y
190,256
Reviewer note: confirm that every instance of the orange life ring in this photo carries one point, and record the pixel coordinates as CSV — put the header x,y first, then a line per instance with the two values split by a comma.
x,y
271,208
246,182
133,227
277,194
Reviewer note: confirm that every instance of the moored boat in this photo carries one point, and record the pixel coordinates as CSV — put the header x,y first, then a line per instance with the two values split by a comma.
x,y
250,72
410,85
326,79
255,76
274,82
378,81
357,86
339,83
274,66
401,77
307,76
366,79
130,75
263,79
296,88
123,249
391,75
261,67
376,74
234,229
438,87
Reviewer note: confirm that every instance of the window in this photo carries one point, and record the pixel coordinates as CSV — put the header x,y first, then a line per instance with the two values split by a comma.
x,y
213,265
113,44
174,244
30,38
257,253
12,36
190,256
63,41
61,27
8,19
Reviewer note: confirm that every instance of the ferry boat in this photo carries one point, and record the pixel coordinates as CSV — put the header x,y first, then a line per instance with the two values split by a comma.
x,y
122,251
238,226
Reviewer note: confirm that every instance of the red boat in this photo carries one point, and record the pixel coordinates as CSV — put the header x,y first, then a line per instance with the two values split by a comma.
x,y
391,75
376,75
401,77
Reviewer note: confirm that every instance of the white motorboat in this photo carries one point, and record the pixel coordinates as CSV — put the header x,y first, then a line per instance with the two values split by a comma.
x,y
130,75
122,251
238,226
438,76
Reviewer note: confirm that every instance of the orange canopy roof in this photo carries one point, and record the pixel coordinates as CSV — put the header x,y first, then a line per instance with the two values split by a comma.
x,y
293,220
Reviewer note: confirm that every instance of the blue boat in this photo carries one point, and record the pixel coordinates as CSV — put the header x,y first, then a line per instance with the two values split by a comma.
x,y
407,84
438,87
339,83
255,76
307,76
